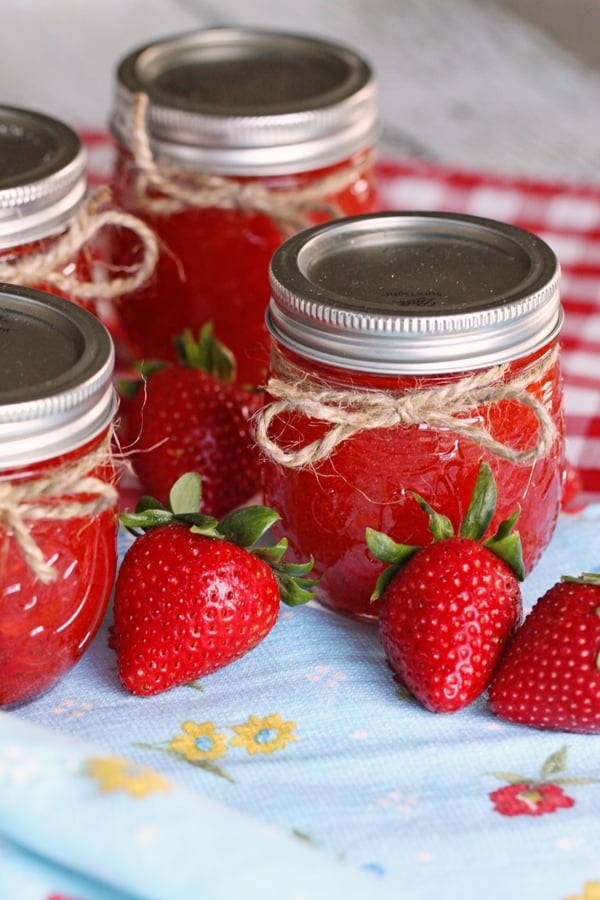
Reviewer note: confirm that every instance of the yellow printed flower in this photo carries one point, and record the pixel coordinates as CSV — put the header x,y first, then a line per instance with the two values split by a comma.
x,y
591,891
263,735
199,741
114,773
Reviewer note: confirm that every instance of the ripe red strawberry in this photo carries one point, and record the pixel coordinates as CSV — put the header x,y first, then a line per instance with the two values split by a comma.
x,y
189,416
190,595
550,675
449,608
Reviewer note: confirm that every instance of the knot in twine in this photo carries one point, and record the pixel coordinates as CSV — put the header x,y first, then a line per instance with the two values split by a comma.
x,y
46,265
290,208
349,412
66,493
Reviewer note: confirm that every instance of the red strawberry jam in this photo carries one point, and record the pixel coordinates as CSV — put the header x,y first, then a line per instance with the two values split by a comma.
x,y
246,136
406,349
57,495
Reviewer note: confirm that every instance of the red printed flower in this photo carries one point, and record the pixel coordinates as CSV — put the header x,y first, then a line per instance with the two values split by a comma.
x,y
60,897
524,796
529,799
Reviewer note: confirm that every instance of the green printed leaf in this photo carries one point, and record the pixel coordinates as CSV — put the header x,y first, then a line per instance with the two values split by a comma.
x,y
556,762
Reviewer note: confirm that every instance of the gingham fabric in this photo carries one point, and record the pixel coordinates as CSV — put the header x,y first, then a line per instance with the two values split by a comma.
x,y
568,218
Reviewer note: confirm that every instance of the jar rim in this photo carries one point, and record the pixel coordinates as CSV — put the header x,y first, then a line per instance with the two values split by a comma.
x,y
43,179
410,292
56,368
249,101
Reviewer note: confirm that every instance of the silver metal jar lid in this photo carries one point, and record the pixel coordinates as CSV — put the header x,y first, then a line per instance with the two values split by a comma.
x,y
414,293
56,366
42,175
238,101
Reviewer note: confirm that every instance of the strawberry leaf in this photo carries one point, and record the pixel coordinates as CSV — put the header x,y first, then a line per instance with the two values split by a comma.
x,y
274,554
245,526
149,518
383,581
592,578
201,524
482,506
129,387
146,502
292,590
206,354
185,495
440,526
506,526
386,550
510,550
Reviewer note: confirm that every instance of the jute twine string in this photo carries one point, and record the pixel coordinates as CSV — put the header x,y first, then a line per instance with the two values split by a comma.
x,y
67,492
290,208
46,265
349,412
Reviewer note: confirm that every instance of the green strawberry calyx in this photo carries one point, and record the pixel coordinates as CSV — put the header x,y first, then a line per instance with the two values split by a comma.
x,y
591,578
244,527
204,353
505,543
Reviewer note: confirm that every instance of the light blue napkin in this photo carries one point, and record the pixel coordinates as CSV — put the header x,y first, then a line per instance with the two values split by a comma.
x,y
87,824
301,771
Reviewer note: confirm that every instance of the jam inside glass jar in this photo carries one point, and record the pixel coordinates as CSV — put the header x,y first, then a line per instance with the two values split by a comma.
x,y
58,499
406,349
246,136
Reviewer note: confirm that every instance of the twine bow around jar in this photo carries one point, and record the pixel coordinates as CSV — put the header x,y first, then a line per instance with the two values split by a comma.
x,y
46,265
290,208
68,492
348,412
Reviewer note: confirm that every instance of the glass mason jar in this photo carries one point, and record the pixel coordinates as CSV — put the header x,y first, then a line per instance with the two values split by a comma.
x,y
228,140
49,224
58,500
406,349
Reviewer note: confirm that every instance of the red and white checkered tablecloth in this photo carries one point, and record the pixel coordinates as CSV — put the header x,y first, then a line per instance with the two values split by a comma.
x,y
566,215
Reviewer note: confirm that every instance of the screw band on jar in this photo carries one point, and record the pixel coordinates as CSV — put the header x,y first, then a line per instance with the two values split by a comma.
x,y
33,268
46,498
406,348
290,208
349,412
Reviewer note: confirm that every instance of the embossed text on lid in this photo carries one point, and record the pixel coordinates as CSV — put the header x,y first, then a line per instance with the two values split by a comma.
x,y
403,292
